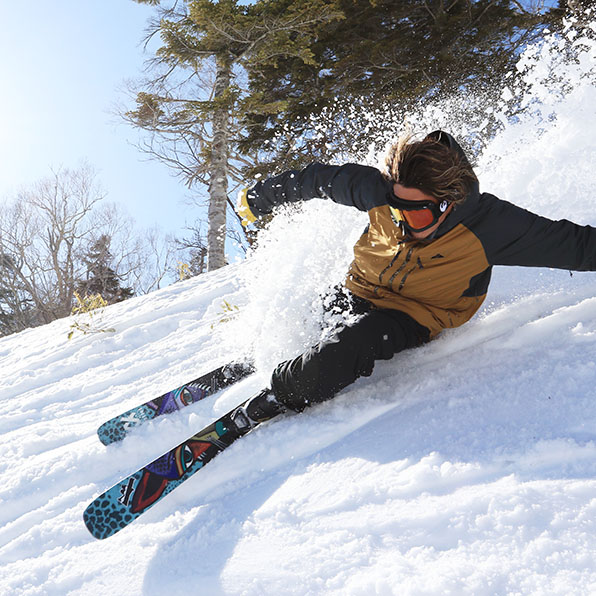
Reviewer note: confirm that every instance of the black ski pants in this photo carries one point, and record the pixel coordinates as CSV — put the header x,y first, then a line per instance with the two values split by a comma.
x,y
322,371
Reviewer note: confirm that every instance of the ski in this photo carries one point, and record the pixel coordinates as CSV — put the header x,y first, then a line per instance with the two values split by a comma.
x,y
118,427
128,499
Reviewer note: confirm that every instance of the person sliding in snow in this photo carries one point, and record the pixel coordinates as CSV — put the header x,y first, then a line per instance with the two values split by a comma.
x,y
423,264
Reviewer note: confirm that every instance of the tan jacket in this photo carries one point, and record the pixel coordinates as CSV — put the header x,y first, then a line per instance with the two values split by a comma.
x,y
428,281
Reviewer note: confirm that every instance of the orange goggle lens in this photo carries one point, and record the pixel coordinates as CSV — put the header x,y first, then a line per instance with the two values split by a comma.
x,y
421,218
416,220
418,215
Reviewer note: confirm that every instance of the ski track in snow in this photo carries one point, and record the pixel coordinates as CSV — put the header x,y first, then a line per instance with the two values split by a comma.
x,y
467,466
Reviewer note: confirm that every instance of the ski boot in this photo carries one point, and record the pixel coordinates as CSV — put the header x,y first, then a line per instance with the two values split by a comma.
x,y
257,409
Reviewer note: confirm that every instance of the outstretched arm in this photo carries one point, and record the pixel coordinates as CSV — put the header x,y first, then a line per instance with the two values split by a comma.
x,y
354,185
519,237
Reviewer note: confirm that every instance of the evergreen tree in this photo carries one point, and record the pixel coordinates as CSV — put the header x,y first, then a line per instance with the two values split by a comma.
x,y
382,52
100,276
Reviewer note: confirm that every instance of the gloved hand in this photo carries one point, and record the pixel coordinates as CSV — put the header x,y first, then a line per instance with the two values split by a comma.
x,y
243,208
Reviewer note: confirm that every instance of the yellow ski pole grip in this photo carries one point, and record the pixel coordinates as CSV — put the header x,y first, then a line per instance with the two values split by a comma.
x,y
243,208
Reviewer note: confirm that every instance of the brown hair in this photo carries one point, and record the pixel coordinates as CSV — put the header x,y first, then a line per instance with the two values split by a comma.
x,y
430,166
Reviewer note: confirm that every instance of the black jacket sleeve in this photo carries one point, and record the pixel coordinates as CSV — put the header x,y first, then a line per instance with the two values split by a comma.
x,y
513,236
353,185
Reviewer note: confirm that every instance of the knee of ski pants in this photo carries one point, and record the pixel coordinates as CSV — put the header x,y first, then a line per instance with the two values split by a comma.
x,y
321,372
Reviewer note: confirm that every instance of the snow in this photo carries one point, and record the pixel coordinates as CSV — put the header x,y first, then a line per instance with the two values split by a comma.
x,y
467,466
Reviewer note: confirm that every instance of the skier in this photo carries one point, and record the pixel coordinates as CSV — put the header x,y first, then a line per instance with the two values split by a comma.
x,y
423,264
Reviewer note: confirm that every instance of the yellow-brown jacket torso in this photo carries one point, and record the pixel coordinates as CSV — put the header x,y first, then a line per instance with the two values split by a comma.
x,y
392,272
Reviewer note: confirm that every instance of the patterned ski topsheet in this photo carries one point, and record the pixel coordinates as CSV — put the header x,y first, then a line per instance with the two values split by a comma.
x,y
118,427
129,498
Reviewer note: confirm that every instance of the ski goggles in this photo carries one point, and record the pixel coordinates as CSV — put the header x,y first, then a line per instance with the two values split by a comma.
x,y
417,216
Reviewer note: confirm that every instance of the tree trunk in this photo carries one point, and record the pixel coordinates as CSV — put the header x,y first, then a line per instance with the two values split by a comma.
x,y
218,185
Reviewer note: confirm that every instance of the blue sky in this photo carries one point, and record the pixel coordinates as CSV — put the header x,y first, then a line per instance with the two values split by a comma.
x,y
63,66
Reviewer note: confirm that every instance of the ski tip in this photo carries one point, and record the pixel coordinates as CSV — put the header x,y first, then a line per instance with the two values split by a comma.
x,y
111,432
104,437
90,523
100,526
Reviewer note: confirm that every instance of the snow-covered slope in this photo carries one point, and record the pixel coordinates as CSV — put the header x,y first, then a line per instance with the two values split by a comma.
x,y
467,466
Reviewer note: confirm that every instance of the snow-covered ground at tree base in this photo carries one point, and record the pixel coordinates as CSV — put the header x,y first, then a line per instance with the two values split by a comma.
x,y
467,466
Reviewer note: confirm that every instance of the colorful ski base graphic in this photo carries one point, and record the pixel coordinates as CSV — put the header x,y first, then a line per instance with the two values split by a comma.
x,y
129,498
118,427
